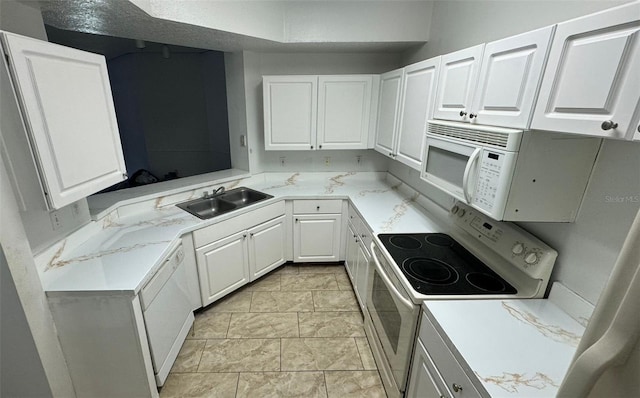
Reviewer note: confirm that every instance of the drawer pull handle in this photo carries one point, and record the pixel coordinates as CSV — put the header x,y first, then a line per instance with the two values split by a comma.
x,y
456,387
463,113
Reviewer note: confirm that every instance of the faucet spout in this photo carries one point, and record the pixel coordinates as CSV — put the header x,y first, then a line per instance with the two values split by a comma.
x,y
219,190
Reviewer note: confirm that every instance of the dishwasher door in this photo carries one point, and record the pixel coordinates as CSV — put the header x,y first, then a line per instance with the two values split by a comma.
x,y
168,313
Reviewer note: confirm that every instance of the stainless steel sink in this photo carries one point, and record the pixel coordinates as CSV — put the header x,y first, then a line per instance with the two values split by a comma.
x,y
222,203
243,196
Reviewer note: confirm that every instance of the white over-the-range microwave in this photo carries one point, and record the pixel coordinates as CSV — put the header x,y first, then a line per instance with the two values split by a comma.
x,y
508,174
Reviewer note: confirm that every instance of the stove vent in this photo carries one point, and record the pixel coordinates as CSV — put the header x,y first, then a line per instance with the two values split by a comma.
x,y
498,137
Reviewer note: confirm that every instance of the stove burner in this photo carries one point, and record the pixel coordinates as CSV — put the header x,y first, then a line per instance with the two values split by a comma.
x,y
405,242
440,240
485,282
429,270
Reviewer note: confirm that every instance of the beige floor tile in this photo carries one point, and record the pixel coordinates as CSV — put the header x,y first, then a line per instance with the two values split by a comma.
x,y
240,355
209,385
210,325
366,355
239,301
267,325
281,302
322,269
189,356
320,354
344,283
331,324
364,384
287,269
282,384
267,283
306,282
335,301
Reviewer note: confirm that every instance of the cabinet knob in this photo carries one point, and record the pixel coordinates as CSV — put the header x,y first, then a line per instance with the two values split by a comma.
x,y
639,128
296,220
472,115
311,146
608,125
317,207
463,113
251,235
456,387
244,236
320,146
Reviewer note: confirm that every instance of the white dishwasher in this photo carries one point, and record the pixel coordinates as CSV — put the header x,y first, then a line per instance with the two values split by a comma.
x,y
168,313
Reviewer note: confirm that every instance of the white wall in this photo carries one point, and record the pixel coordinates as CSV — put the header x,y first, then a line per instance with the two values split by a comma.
x,y
303,21
237,107
258,64
21,372
460,24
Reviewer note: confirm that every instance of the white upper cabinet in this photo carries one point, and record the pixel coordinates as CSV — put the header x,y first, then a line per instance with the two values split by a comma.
x,y
344,109
290,112
591,84
388,111
418,96
68,110
457,83
509,79
406,102
317,112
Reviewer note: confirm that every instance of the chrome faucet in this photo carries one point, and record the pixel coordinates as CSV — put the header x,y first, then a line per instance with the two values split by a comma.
x,y
219,190
205,194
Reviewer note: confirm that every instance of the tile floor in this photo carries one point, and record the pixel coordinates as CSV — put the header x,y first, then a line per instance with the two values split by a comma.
x,y
296,332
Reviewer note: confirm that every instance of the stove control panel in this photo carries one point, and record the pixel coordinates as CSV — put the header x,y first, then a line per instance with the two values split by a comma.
x,y
511,242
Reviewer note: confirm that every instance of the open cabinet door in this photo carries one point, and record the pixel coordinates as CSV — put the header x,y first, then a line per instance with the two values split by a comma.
x,y
66,101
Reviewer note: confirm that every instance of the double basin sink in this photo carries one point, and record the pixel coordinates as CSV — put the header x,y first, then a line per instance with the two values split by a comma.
x,y
212,206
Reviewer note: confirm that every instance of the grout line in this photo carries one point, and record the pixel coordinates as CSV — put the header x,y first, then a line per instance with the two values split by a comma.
x,y
326,386
237,385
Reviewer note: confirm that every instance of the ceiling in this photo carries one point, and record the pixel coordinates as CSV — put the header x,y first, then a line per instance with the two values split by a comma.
x,y
123,21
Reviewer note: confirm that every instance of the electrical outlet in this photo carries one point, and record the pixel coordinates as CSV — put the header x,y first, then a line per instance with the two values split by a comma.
x,y
326,160
243,140
282,158
56,222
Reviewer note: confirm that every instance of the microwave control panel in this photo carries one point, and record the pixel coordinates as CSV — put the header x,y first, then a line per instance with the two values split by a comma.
x,y
488,181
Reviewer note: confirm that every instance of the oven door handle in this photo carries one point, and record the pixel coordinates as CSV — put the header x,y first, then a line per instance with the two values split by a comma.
x,y
409,304
467,172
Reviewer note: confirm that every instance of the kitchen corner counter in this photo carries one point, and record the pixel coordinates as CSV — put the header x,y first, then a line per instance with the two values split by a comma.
x,y
120,251
515,348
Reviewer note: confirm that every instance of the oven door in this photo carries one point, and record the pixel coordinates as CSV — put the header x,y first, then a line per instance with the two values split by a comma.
x,y
394,316
451,166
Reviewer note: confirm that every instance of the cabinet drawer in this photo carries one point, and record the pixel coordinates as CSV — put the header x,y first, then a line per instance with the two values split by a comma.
x,y
319,206
238,223
448,366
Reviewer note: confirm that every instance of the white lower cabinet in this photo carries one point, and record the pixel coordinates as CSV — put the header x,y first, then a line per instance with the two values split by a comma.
x,y
351,261
362,273
223,266
316,237
357,260
425,381
228,260
266,247
317,230
435,371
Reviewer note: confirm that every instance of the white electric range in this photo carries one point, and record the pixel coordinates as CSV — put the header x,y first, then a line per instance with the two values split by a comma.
x,y
475,258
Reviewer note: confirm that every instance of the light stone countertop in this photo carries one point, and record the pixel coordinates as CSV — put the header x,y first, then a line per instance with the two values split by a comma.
x,y
121,251
515,348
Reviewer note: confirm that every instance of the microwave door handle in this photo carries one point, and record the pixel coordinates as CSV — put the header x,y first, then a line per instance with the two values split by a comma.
x,y
467,172
388,282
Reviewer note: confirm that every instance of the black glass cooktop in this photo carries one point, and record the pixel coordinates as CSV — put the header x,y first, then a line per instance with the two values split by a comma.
x,y
435,264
